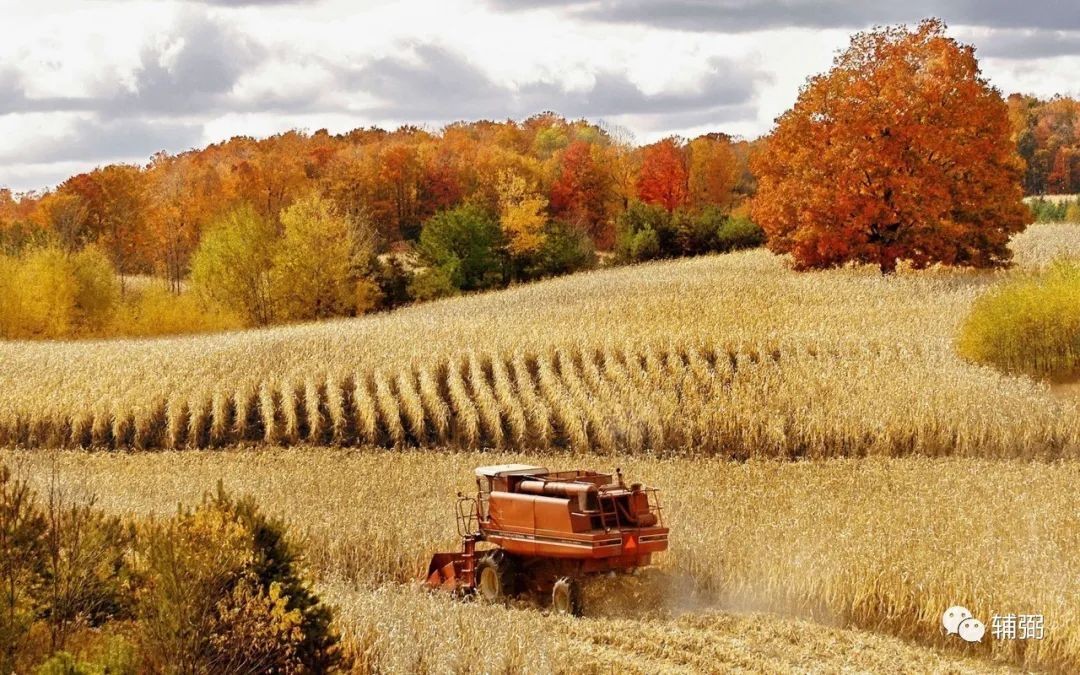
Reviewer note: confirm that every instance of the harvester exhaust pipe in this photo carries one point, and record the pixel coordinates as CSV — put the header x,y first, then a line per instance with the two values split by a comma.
x,y
555,488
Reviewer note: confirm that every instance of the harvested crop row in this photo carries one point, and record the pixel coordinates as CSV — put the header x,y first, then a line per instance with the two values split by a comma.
x,y
734,401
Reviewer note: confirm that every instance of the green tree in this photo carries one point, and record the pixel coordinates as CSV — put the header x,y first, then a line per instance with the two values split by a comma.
x,y
467,244
232,265
433,283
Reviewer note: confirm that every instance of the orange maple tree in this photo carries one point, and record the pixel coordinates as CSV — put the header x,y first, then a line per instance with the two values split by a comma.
x,y
901,152
582,191
664,176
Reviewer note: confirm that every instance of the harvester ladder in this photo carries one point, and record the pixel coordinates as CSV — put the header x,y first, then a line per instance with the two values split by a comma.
x,y
608,519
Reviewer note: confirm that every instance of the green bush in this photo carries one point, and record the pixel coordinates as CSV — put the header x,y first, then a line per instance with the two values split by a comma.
x,y
695,233
393,281
643,232
738,232
1028,324
433,283
116,656
566,249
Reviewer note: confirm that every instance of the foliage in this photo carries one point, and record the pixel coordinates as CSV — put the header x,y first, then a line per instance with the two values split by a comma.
x,y
48,293
642,232
583,189
154,311
522,214
696,233
222,594
1055,210
214,219
118,657
737,232
1072,212
232,265
433,283
773,375
648,231
312,262
1047,135
663,179
23,529
214,589
466,244
392,280
63,567
847,177
97,295
1028,324
566,249
714,169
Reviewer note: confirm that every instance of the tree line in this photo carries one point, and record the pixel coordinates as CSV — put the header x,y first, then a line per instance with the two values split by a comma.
x,y
1047,136
305,226
901,153
150,218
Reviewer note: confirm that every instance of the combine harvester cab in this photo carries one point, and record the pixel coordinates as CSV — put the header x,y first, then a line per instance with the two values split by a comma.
x,y
545,530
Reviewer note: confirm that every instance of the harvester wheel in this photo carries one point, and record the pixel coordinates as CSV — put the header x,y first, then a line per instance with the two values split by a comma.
x,y
566,596
494,577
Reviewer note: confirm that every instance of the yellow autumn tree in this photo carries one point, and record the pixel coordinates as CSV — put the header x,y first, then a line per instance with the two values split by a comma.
x,y
312,262
714,171
521,214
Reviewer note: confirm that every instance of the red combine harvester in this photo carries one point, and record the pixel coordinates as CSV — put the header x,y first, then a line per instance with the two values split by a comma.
x,y
548,529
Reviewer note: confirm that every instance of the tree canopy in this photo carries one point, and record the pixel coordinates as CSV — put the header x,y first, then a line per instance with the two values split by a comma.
x,y
901,152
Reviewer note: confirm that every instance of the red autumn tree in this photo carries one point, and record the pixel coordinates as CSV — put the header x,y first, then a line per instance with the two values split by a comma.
x,y
664,177
582,191
901,152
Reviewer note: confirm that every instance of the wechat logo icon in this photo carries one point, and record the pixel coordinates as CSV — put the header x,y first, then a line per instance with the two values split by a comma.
x,y
958,620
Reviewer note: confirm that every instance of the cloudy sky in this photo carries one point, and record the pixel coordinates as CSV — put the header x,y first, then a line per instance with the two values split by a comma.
x,y
88,82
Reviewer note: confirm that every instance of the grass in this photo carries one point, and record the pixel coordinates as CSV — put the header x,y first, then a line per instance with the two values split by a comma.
x,y
749,359
881,544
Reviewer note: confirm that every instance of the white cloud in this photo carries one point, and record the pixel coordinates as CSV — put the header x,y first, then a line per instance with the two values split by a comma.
x,y
83,83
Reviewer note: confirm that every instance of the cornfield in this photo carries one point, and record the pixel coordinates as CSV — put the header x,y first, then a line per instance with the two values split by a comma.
x,y
881,543
923,494
748,359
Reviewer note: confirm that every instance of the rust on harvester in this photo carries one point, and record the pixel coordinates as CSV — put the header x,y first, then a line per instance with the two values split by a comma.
x,y
543,531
